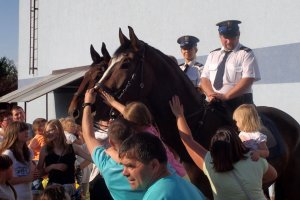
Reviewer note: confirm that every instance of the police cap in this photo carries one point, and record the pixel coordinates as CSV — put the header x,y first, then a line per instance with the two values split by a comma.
x,y
187,41
229,28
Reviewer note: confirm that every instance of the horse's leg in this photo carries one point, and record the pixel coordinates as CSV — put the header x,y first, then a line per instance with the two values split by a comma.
x,y
288,186
198,178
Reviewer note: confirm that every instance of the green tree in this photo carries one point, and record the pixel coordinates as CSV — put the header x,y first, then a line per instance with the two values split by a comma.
x,y
8,76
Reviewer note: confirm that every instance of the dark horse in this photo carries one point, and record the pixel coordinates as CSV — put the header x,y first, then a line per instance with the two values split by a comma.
x,y
140,72
97,68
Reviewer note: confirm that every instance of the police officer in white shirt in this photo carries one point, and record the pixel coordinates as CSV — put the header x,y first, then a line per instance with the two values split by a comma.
x,y
230,71
191,67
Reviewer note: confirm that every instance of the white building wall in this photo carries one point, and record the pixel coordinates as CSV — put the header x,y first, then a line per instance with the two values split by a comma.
x,y
68,27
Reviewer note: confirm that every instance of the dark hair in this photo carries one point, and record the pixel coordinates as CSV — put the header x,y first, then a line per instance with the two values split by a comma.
x,y
5,162
4,113
16,107
226,148
119,130
143,147
54,192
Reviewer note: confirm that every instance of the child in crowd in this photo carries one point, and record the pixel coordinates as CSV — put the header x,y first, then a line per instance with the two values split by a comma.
x,y
73,135
7,191
140,117
36,144
70,129
38,140
55,192
248,122
57,158
14,145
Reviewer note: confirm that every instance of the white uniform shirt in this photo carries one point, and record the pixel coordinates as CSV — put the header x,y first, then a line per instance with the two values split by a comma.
x,y
193,72
239,64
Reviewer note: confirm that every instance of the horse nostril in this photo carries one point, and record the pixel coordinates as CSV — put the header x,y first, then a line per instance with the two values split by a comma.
x,y
75,114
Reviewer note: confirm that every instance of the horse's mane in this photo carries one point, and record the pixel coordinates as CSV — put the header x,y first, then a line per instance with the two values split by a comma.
x,y
126,47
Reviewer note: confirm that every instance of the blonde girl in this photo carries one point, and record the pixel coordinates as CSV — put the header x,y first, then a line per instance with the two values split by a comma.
x,y
70,129
248,122
57,158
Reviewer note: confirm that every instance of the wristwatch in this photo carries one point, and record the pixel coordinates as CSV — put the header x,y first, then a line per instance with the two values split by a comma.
x,y
86,104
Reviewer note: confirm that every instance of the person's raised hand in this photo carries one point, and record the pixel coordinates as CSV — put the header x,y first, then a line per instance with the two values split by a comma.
x,y
176,106
108,99
254,155
90,96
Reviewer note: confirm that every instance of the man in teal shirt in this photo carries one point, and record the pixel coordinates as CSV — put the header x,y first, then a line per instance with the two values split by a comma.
x,y
145,166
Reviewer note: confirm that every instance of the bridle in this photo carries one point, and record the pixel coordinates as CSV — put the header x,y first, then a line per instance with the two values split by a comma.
x,y
120,92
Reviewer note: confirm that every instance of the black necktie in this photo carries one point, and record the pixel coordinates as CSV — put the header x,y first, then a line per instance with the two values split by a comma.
x,y
218,83
186,68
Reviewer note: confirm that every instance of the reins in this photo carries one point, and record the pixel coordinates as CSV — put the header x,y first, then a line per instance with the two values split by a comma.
x,y
199,120
129,82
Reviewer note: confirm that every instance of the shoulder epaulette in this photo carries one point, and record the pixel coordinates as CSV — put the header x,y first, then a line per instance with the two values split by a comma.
x,y
245,49
218,49
198,64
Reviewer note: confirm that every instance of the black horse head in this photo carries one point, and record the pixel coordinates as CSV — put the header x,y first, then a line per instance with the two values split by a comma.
x,y
97,69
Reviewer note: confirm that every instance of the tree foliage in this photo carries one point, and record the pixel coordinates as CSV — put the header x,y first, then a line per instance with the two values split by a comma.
x,y
8,76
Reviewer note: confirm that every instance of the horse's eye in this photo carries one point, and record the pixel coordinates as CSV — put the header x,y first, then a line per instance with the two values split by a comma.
x,y
125,65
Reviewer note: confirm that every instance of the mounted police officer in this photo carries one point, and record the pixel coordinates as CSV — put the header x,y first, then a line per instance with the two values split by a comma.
x,y
191,67
230,71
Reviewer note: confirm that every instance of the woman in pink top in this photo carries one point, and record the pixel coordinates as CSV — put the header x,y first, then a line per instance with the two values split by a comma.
x,y
140,117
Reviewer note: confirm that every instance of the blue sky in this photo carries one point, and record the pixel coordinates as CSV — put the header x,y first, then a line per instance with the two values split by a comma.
x,y
9,32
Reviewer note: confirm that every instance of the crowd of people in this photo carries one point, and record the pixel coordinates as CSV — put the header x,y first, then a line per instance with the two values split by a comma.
x,y
126,158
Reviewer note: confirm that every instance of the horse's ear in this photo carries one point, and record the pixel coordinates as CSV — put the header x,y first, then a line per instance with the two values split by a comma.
x,y
105,53
123,38
134,40
95,55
